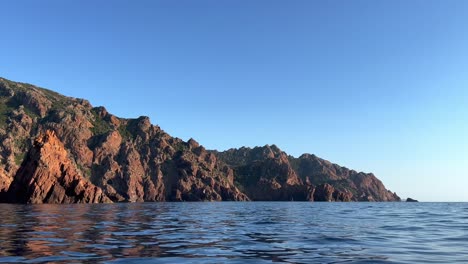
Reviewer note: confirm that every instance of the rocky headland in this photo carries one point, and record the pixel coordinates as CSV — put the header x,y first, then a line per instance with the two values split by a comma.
x,y
57,149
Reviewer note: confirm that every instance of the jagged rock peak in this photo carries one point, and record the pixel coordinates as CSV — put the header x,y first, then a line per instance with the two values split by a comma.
x,y
49,176
271,167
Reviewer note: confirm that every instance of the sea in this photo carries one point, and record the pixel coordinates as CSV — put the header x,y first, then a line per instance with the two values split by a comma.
x,y
235,232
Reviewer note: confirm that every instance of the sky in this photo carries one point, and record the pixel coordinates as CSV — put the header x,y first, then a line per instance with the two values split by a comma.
x,y
376,86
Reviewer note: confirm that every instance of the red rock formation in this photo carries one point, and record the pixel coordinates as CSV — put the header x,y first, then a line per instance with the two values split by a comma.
x,y
93,156
327,193
49,176
4,184
267,173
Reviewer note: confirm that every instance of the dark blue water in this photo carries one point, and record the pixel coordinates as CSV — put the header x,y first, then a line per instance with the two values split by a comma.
x,y
289,232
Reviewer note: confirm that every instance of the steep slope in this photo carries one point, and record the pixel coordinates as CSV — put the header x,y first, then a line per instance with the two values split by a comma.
x,y
48,176
265,170
131,160
363,186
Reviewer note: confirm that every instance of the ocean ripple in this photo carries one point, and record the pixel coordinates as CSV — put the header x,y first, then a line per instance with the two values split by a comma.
x,y
287,232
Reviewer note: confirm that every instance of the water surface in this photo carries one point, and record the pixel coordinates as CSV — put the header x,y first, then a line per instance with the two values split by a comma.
x,y
249,232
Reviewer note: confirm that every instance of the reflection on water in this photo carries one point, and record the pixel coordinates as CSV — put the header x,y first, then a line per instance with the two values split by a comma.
x,y
235,233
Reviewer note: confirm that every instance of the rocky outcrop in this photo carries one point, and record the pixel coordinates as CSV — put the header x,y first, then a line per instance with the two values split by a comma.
x,y
49,176
327,193
267,173
57,149
411,200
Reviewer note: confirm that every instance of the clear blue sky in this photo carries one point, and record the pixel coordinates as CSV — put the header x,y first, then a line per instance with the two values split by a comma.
x,y
377,86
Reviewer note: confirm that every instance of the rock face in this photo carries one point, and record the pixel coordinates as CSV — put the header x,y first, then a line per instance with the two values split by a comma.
x,y
267,173
56,149
49,176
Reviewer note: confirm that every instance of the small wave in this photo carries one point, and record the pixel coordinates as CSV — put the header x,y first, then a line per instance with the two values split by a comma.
x,y
242,233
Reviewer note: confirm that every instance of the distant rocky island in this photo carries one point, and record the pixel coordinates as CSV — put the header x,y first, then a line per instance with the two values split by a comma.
x,y
57,149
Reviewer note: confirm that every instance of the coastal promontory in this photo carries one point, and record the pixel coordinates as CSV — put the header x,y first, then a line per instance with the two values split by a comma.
x,y
58,149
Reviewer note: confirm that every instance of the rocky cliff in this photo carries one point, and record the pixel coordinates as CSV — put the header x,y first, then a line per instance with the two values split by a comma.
x,y
57,149
267,173
48,175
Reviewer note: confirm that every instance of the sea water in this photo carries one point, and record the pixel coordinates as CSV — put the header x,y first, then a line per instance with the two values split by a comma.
x,y
235,232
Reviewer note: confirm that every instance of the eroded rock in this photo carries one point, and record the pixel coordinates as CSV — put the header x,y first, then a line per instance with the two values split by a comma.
x,y
49,176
